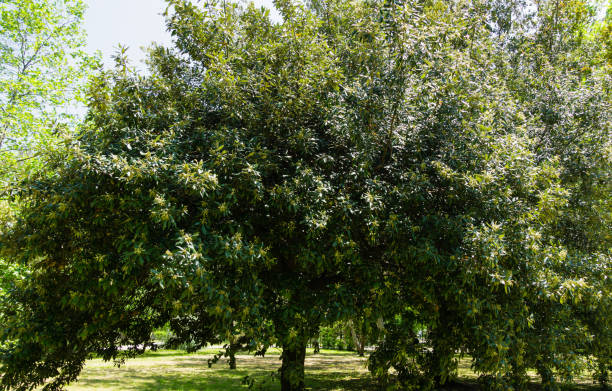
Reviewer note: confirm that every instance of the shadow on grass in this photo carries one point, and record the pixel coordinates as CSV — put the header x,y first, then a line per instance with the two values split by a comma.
x,y
327,383
160,382
137,379
175,370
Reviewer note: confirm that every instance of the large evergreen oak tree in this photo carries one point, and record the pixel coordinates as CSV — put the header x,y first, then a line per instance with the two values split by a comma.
x,y
435,164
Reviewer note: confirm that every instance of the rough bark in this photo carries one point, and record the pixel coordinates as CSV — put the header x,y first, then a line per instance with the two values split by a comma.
x,y
292,368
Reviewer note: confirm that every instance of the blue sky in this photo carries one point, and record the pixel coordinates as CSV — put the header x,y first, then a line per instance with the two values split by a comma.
x,y
133,23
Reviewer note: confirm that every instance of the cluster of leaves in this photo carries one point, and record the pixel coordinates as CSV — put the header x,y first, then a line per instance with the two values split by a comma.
x,y
42,75
430,166
43,70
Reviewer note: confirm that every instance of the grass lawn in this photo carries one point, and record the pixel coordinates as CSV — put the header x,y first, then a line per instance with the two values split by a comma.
x,y
175,370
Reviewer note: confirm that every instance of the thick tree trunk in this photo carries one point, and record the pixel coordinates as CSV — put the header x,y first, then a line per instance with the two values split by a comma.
x,y
292,368
440,363
547,376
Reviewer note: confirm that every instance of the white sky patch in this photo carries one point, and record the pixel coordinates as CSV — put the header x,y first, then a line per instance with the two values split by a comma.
x,y
132,23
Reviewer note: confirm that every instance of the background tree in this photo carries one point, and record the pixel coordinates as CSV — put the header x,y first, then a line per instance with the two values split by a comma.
x,y
43,70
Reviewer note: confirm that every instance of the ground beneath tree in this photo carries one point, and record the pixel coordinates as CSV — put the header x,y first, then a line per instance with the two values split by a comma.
x,y
176,370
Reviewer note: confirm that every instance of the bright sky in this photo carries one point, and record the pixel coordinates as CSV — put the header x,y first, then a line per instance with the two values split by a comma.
x,y
133,23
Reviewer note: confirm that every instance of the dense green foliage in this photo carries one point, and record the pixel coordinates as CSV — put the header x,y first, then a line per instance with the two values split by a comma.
x,y
436,166
43,70
353,335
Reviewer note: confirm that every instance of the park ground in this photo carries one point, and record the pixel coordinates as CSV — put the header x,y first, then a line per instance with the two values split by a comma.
x,y
329,370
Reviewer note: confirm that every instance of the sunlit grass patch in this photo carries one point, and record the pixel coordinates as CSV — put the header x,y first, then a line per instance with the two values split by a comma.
x,y
176,370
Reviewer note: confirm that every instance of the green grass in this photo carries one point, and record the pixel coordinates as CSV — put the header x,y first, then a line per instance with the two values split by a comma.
x,y
175,370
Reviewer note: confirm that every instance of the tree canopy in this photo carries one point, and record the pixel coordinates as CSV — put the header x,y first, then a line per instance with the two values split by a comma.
x,y
432,165
43,69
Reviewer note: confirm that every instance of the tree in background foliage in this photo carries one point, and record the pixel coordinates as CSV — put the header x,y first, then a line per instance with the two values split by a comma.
x,y
439,170
43,70
351,334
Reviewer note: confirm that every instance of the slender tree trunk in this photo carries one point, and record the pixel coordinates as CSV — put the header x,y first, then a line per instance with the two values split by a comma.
x,y
232,358
292,368
358,338
361,347
231,351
